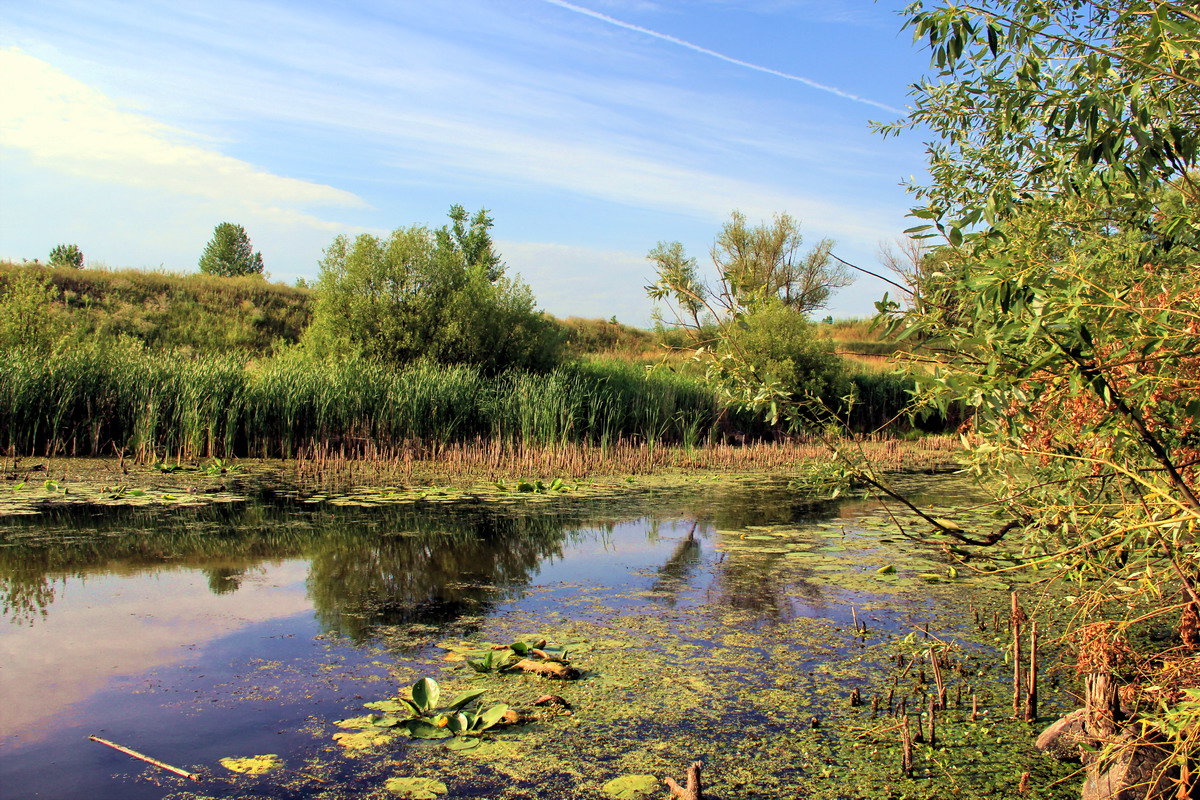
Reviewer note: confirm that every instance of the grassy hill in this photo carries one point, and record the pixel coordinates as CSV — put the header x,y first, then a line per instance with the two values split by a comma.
x,y
170,310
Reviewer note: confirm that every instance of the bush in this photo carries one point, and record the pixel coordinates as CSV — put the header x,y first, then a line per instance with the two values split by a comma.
x,y
66,255
415,295
782,351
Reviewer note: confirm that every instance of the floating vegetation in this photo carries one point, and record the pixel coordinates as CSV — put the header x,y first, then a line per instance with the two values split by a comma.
x,y
632,787
416,788
421,716
252,765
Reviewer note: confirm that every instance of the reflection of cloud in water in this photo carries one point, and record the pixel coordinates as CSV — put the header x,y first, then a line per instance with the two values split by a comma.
x,y
107,627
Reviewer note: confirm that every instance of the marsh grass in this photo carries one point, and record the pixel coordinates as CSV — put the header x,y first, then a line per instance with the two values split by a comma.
x,y
454,463
121,398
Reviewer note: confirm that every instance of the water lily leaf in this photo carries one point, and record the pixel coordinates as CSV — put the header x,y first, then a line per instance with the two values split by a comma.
x,y
416,788
459,743
886,570
252,765
425,693
367,721
400,706
632,787
491,716
465,698
424,729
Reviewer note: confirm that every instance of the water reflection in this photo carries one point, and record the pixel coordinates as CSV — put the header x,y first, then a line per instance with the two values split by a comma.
x,y
386,565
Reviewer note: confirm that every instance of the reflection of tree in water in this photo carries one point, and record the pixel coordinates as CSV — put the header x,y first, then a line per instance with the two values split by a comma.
x,y
676,574
387,564
767,584
384,565
427,567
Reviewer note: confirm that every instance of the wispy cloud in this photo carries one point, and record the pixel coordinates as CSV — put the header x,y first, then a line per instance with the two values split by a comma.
x,y
71,127
723,57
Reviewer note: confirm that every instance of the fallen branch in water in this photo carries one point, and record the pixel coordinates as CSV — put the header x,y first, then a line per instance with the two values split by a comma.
x,y
692,790
182,772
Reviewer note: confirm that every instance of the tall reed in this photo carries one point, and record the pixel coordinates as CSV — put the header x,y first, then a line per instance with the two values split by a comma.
x,y
118,397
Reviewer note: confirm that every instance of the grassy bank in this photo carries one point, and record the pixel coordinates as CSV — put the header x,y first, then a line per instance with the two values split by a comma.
x,y
202,313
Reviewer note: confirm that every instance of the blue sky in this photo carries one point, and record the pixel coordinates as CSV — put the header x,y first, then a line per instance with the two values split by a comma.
x,y
591,130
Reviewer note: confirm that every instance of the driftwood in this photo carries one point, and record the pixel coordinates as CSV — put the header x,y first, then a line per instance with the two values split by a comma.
x,y
547,669
552,700
143,757
692,790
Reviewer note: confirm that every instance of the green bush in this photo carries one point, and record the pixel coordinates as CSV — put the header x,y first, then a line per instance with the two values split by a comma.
x,y
66,255
415,295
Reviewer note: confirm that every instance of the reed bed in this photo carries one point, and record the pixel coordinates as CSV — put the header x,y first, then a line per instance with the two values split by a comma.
x,y
492,461
105,400
120,398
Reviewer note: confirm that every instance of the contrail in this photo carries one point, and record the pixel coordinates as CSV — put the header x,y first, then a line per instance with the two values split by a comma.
x,y
587,12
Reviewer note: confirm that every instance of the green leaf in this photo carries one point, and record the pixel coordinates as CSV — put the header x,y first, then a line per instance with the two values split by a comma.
x,y
490,717
463,743
464,698
425,694
424,729
632,787
416,788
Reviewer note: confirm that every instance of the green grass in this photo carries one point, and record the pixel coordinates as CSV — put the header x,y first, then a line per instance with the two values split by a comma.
x,y
109,398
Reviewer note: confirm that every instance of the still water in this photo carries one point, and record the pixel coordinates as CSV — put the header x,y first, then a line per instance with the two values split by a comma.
x,y
238,630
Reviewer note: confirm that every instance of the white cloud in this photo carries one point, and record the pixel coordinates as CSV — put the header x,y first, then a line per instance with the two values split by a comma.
x,y
582,281
67,125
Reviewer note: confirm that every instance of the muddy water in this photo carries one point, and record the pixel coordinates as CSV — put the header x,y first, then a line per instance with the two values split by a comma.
x,y
712,622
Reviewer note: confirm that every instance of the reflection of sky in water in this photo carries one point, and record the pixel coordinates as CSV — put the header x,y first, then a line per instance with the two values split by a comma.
x,y
133,612
104,627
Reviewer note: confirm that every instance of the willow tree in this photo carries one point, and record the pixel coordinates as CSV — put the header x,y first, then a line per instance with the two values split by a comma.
x,y
1064,192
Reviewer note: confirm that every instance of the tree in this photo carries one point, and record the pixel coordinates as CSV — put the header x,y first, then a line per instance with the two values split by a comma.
x,y
229,253
1063,187
414,294
752,265
472,240
66,255
750,325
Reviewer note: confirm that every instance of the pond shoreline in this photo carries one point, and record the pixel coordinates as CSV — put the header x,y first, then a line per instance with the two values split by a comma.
x,y
30,485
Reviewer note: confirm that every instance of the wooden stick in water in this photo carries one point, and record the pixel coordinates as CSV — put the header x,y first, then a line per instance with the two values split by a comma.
x,y
143,757
1031,694
1015,619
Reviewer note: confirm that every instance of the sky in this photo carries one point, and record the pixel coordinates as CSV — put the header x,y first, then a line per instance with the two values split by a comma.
x,y
590,130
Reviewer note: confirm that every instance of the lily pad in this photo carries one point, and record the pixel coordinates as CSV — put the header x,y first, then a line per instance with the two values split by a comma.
x,y
463,743
416,788
363,740
632,787
252,765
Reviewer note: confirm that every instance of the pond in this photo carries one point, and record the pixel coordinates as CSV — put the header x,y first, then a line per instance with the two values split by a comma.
x,y
724,621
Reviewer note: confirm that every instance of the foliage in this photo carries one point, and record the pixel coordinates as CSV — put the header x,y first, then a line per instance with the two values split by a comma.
x,y
753,264
422,716
105,394
229,253
472,240
781,351
750,329
415,294
1062,185
29,315
66,255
